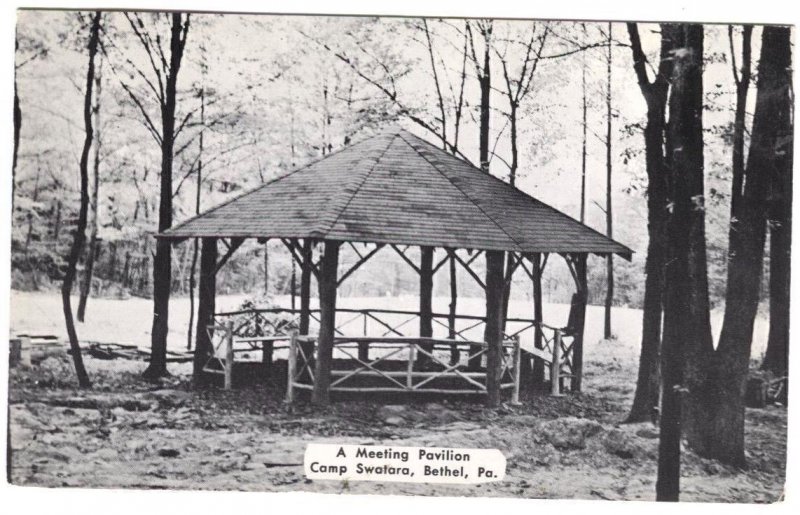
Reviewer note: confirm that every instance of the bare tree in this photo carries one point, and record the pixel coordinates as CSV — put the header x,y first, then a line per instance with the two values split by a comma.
x,y
687,328
609,218
79,237
715,421
91,254
655,96
162,83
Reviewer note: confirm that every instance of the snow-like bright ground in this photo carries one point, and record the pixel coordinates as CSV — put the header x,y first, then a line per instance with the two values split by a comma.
x,y
129,321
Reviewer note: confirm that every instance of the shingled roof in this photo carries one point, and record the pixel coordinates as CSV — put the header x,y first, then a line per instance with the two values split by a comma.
x,y
395,187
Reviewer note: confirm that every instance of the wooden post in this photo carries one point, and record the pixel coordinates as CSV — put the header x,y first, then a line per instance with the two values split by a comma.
x,y
229,355
410,365
495,286
328,277
580,322
206,304
555,365
25,350
425,300
305,287
451,317
516,370
363,347
305,300
292,365
538,364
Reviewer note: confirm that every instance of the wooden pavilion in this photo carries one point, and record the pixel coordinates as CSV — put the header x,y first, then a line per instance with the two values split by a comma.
x,y
397,191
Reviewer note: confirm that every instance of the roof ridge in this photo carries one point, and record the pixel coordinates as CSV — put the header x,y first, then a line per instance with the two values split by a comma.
x,y
525,194
435,167
265,184
358,182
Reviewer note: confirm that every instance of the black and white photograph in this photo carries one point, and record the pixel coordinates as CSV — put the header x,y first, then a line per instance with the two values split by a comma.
x,y
399,255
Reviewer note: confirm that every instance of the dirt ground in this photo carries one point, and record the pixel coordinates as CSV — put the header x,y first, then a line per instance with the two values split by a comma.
x,y
129,433
132,434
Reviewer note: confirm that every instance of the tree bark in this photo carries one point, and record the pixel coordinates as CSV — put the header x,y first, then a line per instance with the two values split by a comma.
x,y
91,254
715,428
195,245
162,263
776,358
17,129
538,364
455,355
687,330
609,220
79,237
327,326
646,397
493,336
206,306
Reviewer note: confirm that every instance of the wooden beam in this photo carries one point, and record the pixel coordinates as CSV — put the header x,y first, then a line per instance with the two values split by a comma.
x,y
297,255
402,254
362,259
235,243
444,260
469,270
327,280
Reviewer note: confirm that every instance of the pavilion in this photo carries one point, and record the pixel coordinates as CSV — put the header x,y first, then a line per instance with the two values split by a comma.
x,y
397,191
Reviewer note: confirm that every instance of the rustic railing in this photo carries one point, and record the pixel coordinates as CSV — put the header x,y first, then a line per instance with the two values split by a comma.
x,y
262,329
462,380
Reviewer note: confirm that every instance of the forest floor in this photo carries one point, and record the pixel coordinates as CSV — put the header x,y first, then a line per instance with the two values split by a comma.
x,y
127,432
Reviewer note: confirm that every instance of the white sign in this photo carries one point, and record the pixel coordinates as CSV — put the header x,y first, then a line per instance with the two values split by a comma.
x,y
404,464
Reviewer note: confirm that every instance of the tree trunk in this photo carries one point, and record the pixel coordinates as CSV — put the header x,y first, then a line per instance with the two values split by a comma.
x,y
91,254
538,364
17,129
580,321
80,231
687,330
162,263
716,428
195,246
206,306
495,284
776,358
609,232
485,81
327,325
646,398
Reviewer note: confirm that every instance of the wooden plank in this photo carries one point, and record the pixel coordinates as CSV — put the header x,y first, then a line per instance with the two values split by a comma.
x,y
327,301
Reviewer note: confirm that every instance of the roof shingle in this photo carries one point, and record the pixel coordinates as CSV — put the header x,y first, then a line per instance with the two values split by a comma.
x,y
398,188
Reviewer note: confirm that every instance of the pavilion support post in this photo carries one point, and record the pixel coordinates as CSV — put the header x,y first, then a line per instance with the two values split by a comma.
x,y
305,299
327,281
538,365
425,300
206,304
455,355
580,320
495,288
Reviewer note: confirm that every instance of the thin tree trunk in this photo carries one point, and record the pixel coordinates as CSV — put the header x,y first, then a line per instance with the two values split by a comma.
x,y
91,254
687,331
162,263
17,129
80,231
584,126
646,398
715,428
195,245
609,231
